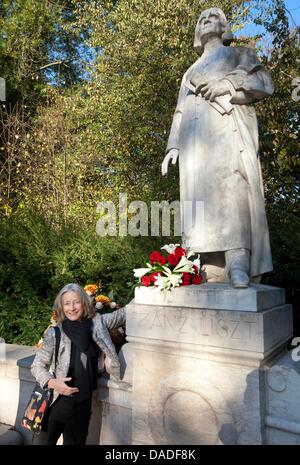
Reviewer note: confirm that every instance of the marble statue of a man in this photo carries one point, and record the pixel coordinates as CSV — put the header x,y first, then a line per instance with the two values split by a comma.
x,y
214,133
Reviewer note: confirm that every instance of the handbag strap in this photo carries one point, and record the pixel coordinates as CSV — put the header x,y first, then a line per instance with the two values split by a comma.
x,y
57,342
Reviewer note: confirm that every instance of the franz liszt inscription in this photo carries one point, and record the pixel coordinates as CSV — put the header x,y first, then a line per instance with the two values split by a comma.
x,y
204,324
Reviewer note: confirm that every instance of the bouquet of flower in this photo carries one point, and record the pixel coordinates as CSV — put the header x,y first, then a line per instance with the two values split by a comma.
x,y
105,304
102,303
170,268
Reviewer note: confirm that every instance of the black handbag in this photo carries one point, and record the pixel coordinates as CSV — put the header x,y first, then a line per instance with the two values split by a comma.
x,y
40,399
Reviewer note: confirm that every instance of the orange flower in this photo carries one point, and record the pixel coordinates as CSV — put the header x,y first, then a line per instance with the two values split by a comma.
x,y
103,299
91,288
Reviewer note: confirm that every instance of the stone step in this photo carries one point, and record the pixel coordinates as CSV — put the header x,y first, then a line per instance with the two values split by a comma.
x,y
9,437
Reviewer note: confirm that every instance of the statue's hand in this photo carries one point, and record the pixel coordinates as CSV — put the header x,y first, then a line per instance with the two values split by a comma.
x,y
216,88
172,155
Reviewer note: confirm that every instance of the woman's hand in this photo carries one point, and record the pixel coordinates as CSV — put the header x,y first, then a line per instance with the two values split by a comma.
x,y
59,385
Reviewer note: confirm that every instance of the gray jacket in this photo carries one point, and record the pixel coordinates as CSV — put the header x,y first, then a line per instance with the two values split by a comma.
x,y
43,364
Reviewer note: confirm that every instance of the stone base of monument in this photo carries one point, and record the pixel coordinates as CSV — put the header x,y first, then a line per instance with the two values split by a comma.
x,y
199,360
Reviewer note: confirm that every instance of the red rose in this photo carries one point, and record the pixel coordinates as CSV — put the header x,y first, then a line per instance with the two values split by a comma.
x,y
154,276
179,252
157,257
162,260
186,279
196,269
154,256
172,259
146,281
197,279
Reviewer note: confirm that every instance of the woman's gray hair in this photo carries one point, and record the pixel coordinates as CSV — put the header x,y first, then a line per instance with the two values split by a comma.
x,y
227,36
88,309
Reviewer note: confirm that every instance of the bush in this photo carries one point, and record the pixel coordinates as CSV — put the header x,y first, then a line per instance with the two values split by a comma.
x,y
39,257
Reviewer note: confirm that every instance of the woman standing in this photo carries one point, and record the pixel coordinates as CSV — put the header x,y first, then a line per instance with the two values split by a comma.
x,y
83,335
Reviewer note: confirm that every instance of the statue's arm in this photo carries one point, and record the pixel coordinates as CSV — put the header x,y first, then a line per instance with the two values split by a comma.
x,y
172,150
250,80
174,132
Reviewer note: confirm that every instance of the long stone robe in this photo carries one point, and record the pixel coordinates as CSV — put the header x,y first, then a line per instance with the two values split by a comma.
x,y
218,157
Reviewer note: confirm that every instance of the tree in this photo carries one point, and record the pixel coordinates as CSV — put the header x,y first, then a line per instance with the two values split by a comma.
x,y
36,48
37,51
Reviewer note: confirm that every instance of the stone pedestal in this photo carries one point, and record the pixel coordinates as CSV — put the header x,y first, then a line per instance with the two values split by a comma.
x,y
199,357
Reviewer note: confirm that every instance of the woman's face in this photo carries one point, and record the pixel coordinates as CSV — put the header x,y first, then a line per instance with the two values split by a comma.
x,y
72,306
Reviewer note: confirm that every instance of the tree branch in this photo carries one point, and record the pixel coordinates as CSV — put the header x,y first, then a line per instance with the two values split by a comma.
x,y
55,63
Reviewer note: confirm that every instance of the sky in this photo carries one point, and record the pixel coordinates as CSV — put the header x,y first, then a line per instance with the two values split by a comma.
x,y
293,7
293,13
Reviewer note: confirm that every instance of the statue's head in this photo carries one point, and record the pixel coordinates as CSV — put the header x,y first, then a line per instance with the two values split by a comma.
x,y
211,22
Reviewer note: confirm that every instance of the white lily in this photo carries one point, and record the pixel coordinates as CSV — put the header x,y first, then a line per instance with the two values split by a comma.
x,y
166,282
157,276
140,272
175,279
184,265
190,253
197,262
170,247
162,282
166,270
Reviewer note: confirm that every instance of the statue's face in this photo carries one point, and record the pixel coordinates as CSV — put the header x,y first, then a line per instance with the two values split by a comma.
x,y
210,24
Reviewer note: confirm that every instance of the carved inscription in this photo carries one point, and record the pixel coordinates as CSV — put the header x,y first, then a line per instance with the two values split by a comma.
x,y
201,322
